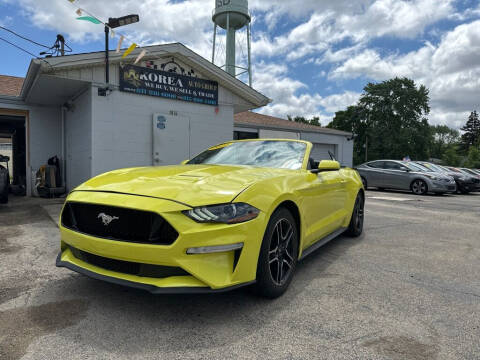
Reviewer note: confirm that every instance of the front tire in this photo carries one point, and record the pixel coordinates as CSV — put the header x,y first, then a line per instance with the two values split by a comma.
x,y
278,255
364,182
419,187
355,228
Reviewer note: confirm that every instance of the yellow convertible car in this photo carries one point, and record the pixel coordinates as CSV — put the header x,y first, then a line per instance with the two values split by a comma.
x,y
240,213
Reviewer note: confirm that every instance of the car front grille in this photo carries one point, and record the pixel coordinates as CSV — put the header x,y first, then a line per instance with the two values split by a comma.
x,y
116,223
127,267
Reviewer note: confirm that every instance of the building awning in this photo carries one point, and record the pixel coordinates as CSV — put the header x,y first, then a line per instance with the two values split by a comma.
x,y
42,72
50,90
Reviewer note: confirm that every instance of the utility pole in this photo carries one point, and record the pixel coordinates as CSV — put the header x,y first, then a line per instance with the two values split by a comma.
x,y
107,63
112,24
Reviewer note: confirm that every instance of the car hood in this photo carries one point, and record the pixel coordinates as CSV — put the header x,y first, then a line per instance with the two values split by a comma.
x,y
193,185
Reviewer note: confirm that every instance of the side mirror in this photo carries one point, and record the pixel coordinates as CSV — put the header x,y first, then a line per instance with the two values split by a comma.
x,y
184,162
327,165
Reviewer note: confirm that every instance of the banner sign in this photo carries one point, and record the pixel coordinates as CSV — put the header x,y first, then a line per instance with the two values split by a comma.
x,y
169,85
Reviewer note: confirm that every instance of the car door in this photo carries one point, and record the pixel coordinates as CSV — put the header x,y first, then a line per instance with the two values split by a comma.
x,y
324,198
396,176
373,173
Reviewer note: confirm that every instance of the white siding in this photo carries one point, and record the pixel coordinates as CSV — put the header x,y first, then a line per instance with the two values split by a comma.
x,y
44,135
275,134
344,148
320,151
122,128
78,131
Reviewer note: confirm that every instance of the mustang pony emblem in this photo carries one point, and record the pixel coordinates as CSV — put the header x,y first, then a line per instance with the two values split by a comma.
x,y
106,219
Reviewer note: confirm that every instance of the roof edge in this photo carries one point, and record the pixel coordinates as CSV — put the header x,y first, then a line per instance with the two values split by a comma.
x,y
321,130
234,84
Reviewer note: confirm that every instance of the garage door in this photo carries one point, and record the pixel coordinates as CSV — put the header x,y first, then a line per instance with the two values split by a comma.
x,y
320,151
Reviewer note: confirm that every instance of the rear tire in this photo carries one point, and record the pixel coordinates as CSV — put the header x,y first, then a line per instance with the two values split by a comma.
x,y
278,255
355,228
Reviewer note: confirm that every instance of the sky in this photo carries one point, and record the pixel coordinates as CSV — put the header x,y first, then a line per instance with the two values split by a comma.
x,y
311,57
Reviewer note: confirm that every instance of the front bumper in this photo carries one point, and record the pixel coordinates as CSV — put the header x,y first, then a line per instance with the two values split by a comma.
x,y
466,186
204,272
442,187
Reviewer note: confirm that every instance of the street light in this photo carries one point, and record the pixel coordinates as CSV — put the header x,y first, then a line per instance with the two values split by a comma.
x,y
112,24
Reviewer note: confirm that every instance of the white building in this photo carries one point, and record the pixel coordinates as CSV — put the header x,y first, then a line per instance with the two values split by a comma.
x,y
170,107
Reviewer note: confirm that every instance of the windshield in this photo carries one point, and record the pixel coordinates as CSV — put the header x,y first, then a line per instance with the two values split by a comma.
x,y
269,153
433,167
415,167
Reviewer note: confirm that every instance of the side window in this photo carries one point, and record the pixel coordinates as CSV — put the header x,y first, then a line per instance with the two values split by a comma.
x,y
390,165
376,164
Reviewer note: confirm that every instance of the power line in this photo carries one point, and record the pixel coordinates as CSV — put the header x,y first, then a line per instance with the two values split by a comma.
x,y
25,38
18,47
26,51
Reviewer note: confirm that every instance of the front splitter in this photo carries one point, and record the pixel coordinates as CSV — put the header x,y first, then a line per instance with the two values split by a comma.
x,y
150,288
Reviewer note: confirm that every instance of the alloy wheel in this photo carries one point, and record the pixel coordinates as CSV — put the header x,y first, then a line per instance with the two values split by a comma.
x,y
281,253
359,214
419,187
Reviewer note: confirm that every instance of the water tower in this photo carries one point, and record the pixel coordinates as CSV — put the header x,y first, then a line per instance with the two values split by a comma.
x,y
232,15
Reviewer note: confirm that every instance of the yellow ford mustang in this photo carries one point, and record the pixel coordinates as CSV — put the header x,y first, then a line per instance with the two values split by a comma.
x,y
240,213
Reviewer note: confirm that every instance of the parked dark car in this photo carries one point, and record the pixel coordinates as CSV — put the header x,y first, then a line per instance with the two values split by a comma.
x,y
476,178
465,183
4,179
401,175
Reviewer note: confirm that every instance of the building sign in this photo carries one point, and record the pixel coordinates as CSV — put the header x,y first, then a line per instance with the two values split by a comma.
x,y
169,85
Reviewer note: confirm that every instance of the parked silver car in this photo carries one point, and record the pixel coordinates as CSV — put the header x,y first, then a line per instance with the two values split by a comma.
x,y
401,175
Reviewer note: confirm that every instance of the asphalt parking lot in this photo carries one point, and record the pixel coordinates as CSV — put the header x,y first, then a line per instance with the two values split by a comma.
x,y
409,288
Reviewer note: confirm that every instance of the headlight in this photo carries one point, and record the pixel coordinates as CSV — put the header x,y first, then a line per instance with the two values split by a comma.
x,y
226,213
433,177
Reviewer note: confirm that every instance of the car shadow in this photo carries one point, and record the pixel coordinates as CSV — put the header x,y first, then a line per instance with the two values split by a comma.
x,y
172,323
406,192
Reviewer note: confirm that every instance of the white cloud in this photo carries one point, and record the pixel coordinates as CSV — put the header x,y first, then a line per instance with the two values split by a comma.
x,y
336,102
161,20
325,33
357,22
450,70
7,20
291,96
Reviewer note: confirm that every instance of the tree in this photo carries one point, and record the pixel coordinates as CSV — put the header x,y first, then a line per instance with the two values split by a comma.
x,y
443,138
471,137
451,157
390,116
473,158
300,119
353,120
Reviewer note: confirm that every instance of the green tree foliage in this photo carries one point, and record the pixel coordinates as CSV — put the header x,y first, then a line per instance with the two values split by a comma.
x,y
473,158
451,157
391,117
300,119
443,138
471,137
352,120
